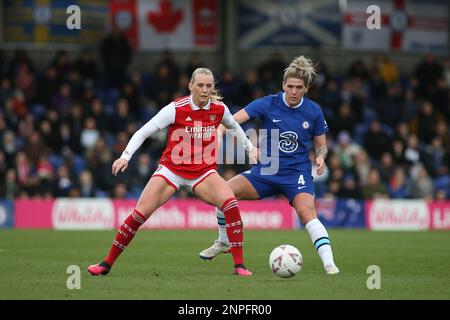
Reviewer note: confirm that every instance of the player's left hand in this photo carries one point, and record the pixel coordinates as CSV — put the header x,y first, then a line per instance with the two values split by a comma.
x,y
320,163
254,155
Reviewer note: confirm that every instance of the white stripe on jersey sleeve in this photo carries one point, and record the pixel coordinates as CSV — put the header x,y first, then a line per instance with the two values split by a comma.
x,y
164,118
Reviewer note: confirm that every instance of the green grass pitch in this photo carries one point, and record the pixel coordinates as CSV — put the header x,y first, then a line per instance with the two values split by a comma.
x,y
164,265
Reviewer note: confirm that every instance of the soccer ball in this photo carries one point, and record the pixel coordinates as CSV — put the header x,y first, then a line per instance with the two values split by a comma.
x,y
286,261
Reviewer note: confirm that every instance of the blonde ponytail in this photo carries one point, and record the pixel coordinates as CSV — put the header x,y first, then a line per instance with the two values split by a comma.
x,y
300,68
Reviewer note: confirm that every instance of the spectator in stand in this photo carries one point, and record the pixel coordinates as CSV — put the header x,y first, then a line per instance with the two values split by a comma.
x,y
387,69
386,167
410,105
121,118
398,187
162,87
75,122
97,112
63,182
99,163
47,87
329,96
49,137
375,140
412,152
6,90
374,188
335,167
423,124
10,189
422,184
229,86
89,134
346,150
251,87
442,131
359,70
349,188
9,147
119,191
62,64
427,73
398,151
168,61
362,167
116,54
35,148
63,100
195,61
390,108
86,185
142,171
23,168
86,66
441,98
270,72
129,93
3,166
438,157
441,195
344,121
20,60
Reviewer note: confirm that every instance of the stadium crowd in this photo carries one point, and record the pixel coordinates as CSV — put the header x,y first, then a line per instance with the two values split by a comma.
x,y
62,125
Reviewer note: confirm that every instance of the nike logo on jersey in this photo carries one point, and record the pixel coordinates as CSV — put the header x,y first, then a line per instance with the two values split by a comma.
x,y
188,119
237,231
276,120
301,187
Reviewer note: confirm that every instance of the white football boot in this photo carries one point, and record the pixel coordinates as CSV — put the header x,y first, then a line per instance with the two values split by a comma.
x,y
331,269
217,248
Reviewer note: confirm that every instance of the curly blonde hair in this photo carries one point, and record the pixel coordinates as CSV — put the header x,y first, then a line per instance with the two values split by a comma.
x,y
300,68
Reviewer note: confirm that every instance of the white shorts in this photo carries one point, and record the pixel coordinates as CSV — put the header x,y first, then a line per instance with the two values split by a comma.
x,y
176,181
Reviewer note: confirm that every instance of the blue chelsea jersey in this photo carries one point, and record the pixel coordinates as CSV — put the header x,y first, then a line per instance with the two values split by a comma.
x,y
289,132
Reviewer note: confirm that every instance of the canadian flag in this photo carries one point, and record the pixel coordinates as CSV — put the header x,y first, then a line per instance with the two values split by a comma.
x,y
415,26
167,24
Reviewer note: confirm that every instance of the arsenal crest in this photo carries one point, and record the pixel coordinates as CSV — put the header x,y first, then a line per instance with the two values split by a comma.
x,y
212,117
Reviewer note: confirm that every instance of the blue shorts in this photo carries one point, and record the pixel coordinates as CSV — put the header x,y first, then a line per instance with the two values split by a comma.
x,y
289,185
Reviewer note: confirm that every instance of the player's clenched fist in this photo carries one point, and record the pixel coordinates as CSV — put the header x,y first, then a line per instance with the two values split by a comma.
x,y
120,165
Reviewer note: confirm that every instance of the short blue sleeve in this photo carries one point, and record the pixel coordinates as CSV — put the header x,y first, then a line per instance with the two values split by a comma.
x,y
320,125
256,109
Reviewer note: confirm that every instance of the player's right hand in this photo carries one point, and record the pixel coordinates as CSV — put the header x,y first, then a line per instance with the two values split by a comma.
x,y
120,165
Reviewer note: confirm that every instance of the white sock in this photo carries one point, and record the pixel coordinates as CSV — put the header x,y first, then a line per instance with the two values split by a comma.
x,y
221,224
319,237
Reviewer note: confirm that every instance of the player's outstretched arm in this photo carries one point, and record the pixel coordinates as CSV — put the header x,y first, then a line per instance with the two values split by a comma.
x,y
162,119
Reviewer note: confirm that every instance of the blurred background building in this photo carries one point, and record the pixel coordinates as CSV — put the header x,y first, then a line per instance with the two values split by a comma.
x,y
71,99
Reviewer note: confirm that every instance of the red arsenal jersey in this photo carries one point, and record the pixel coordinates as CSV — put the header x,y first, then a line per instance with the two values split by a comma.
x,y
192,138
